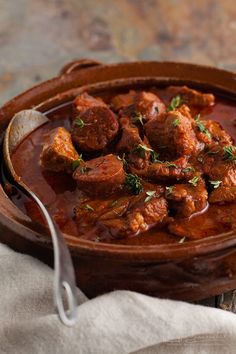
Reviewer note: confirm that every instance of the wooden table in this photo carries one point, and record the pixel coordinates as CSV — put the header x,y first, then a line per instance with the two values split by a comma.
x,y
38,37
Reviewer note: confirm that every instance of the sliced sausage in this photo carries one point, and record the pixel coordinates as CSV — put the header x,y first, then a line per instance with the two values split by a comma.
x,y
101,176
94,129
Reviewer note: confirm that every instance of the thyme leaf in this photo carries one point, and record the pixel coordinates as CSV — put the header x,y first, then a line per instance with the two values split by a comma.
x,y
215,184
133,183
169,190
194,181
175,103
137,117
76,163
150,195
230,153
176,122
141,150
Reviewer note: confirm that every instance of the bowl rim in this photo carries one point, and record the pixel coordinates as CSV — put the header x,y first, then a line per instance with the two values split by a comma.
x,y
86,77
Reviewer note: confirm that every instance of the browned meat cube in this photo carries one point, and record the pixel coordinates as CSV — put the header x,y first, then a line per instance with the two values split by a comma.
x,y
223,194
84,101
143,103
149,105
212,134
123,100
141,215
94,129
172,131
219,165
101,176
176,170
129,136
58,152
188,198
192,97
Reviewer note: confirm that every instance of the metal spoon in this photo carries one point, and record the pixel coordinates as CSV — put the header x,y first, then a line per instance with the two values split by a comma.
x,y
22,124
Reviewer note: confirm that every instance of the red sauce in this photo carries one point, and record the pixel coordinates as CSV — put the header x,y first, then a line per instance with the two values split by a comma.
x,y
58,191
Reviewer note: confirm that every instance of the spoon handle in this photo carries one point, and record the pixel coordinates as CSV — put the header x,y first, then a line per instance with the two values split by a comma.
x,y
64,276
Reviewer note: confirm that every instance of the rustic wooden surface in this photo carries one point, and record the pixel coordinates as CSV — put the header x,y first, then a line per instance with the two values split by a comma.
x,y
37,37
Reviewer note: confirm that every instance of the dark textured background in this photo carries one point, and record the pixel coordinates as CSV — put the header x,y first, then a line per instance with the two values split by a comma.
x,y
38,36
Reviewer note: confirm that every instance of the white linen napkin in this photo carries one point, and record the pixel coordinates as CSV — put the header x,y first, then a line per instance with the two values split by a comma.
x,y
118,322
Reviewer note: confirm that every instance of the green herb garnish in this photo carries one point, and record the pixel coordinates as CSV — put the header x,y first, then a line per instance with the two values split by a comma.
x,y
113,203
76,163
87,207
230,153
169,190
79,122
194,181
133,183
175,103
176,122
137,117
201,126
154,156
122,159
170,164
150,195
188,169
215,184
85,169
141,150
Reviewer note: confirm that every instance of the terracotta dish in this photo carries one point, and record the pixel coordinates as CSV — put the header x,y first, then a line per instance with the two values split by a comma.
x,y
185,248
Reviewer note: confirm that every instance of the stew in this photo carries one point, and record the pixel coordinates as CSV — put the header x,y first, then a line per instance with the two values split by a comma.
x,y
141,167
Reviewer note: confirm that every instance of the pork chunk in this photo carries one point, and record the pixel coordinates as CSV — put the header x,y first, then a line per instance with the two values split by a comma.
x,y
192,97
145,103
187,198
84,101
139,217
58,152
172,131
176,170
129,136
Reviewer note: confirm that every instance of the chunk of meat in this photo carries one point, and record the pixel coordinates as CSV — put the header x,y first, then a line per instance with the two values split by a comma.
x,y
58,152
101,176
188,199
212,222
223,194
95,129
139,217
129,136
176,170
84,101
216,134
123,100
149,105
192,97
172,131
139,156
217,167
145,103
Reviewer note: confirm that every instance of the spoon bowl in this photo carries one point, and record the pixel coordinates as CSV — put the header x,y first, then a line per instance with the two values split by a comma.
x,y
21,125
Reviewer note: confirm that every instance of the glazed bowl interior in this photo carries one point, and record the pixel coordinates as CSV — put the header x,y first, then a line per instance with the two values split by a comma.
x,y
64,89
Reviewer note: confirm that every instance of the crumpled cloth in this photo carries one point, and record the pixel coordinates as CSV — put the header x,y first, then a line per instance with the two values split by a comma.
x,y
118,322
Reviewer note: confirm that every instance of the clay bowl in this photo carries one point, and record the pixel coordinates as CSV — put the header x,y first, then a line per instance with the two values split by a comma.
x,y
190,271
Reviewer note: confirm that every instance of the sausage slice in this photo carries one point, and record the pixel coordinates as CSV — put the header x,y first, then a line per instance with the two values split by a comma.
x,y
94,129
101,176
